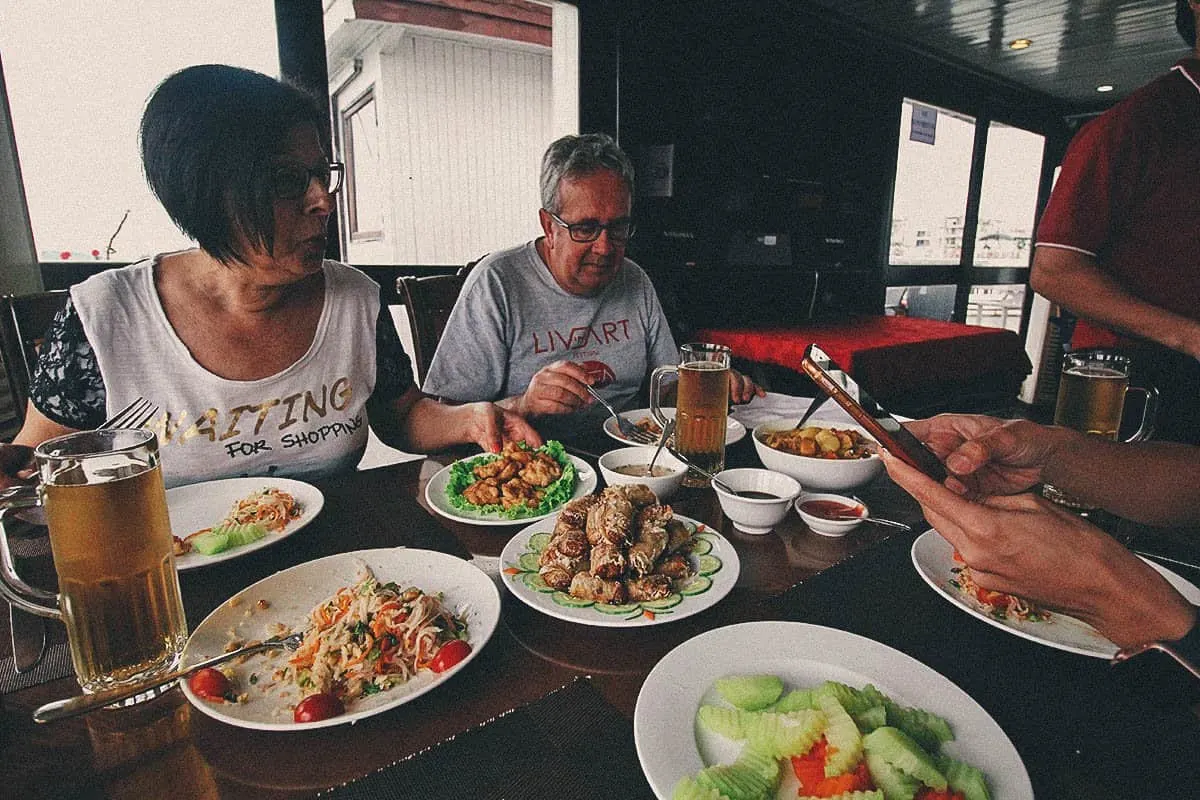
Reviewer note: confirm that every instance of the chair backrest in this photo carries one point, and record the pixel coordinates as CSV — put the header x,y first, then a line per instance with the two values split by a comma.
x,y
428,301
24,320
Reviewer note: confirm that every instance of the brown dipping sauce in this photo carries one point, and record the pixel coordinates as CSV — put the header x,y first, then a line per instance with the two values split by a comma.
x,y
830,509
639,470
753,495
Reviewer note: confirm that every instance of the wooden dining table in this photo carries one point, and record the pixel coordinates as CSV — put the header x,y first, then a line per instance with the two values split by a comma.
x,y
552,685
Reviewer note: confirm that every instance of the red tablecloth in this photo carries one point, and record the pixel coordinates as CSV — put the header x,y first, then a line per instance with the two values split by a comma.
x,y
890,355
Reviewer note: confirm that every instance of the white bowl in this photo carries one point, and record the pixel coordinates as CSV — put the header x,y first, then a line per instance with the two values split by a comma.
x,y
816,474
752,514
831,527
663,487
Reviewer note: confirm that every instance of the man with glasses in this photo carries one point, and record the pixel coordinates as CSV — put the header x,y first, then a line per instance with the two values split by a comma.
x,y
537,324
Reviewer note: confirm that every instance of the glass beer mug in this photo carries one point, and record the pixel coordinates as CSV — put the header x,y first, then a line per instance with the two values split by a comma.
x,y
106,510
1091,399
701,406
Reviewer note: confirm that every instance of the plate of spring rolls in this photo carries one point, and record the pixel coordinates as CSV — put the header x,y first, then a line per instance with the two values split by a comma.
x,y
619,559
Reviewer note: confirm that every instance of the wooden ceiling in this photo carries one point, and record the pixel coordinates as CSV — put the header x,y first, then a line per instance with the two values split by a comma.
x,y
1077,44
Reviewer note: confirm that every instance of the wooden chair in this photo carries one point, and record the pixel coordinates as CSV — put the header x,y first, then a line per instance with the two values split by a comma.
x,y
24,320
428,301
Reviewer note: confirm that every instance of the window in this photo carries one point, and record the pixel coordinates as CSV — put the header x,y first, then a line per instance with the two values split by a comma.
x,y
1008,201
78,75
365,193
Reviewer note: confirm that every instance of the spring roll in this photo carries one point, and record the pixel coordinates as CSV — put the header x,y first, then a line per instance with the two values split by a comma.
x,y
589,587
609,520
650,587
650,538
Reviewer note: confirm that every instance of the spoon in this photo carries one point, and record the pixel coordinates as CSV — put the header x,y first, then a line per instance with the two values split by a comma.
x,y
850,515
667,430
716,481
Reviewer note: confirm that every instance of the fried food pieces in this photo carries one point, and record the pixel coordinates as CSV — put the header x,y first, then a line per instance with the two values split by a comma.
x,y
517,477
618,546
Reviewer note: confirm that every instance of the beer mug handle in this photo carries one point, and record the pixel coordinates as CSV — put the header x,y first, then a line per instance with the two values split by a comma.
x,y
15,590
656,378
1149,414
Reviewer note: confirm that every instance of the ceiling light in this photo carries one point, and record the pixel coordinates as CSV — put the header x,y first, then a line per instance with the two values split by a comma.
x,y
1020,44
1107,87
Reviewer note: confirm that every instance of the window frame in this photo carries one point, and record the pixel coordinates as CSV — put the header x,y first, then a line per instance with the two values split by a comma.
x,y
350,198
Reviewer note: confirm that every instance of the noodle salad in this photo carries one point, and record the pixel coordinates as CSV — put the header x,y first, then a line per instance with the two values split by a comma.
x,y
1000,605
371,636
271,508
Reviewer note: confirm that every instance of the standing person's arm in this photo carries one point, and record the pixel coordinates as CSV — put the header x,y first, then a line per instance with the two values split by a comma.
x,y
1075,280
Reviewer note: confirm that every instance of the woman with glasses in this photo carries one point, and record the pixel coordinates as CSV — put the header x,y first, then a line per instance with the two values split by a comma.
x,y
263,357
536,324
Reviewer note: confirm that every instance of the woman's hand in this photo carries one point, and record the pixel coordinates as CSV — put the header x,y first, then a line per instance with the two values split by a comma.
x,y
491,427
557,388
1024,545
16,465
987,456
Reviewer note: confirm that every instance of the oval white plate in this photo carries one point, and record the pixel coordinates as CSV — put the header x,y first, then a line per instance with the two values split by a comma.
x,y
734,430
435,494
293,593
671,745
722,582
933,557
203,505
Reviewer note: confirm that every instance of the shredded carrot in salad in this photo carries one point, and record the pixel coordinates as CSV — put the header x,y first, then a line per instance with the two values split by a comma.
x,y
999,605
369,637
271,508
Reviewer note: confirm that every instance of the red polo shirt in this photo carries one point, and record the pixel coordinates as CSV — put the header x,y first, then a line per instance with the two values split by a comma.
x,y
1129,195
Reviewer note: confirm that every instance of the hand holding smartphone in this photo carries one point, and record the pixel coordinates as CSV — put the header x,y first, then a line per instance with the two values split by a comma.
x,y
885,428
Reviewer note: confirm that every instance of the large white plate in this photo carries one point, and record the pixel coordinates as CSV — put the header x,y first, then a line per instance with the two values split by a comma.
x,y
671,745
435,493
291,594
203,505
933,557
722,581
734,430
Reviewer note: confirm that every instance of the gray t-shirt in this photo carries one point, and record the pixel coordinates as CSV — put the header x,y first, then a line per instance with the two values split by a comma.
x,y
513,318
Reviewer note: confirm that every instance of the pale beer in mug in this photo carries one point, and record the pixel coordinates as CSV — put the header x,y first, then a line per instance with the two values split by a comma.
x,y
701,409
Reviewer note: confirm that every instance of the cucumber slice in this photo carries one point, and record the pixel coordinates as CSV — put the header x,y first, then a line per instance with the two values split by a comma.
x,y
623,608
964,778
535,581
538,542
564,599
529,562
850,699
785,735
764,765
795,700
874,717
898,749
210,543
226,537
873,794
732,723
701,546
894,784
736,781
750,692
670,601
845,742
929,730
697,584
709,564
688,789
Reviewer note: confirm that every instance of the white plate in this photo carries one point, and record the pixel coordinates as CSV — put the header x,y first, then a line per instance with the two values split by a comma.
x,y
671,745
933,557
734,430
203,505
435,493
722,581
293,593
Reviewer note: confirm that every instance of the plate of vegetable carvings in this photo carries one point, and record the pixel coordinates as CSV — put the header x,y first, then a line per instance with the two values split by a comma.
x,y
714,563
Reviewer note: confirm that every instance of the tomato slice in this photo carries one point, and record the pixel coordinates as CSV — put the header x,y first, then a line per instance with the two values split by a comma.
x,y
451,653
210,684
317,707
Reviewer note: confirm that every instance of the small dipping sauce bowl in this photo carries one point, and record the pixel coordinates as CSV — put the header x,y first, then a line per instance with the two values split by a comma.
x,y
763,500
830,514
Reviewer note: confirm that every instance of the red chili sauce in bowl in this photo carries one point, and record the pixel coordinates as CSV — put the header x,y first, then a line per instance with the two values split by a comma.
x,y
831,509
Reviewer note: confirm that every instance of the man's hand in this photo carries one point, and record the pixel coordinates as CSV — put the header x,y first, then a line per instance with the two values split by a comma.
x,y
557,388
742,389
491,427
987,456
1026,546
16,465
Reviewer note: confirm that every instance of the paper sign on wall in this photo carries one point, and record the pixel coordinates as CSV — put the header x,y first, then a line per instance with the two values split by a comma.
x,y
924,124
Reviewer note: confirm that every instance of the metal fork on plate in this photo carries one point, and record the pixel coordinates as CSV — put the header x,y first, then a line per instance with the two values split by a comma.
x,y
134,415
627,428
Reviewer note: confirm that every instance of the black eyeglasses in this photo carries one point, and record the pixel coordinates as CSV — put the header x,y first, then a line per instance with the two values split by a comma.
x,y
290,180
619,230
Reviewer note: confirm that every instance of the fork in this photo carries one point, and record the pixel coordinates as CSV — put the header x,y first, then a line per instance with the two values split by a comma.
x,y
627,428
134,415
82,704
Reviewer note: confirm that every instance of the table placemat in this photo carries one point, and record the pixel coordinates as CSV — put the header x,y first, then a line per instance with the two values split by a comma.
x,y
571,743
55,662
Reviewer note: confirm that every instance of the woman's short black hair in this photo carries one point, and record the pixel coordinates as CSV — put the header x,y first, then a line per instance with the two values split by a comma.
x,y
1185,22
209,136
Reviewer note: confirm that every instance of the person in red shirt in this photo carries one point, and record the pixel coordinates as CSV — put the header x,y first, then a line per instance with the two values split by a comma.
x,y
1119,244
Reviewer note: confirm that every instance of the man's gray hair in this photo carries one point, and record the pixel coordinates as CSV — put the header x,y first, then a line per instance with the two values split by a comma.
x,y
576,156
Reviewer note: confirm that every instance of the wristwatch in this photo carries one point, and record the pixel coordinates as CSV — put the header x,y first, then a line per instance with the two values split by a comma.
x,y
1185,651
